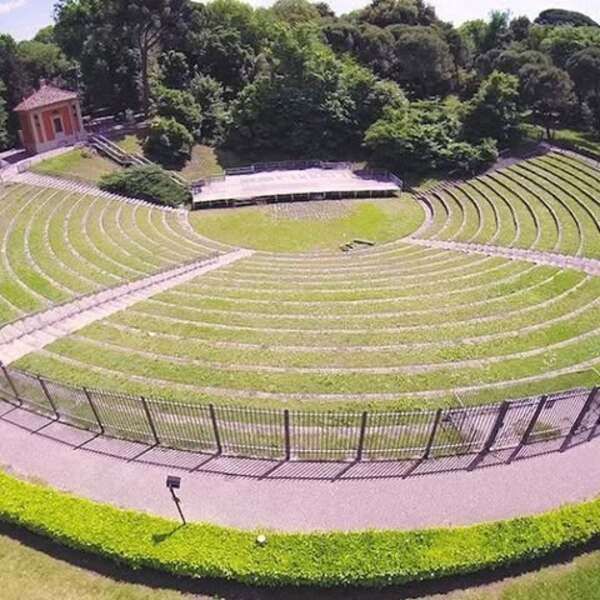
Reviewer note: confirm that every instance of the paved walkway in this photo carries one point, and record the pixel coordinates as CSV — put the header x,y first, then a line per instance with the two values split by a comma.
x,y
35,331
298,496
587,265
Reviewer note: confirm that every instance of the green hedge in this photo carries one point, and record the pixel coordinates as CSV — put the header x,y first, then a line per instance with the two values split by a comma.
x,y
363,559
151,183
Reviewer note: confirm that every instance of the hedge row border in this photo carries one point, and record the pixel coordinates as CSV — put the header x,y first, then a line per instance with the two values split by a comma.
x,y
363,559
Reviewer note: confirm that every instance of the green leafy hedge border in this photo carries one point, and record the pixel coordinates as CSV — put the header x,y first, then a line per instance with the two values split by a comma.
x,y
374,558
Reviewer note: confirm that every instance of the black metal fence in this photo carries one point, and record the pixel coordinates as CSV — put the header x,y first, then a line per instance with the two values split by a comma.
x,y
311,435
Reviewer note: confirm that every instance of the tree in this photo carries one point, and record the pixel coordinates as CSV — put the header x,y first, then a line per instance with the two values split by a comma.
x,y
519,28
494,111
209,95
374,47
398,12
168,141
45,35
584,69
325,10
557,17
12,86
424,136
180,106
116,40
39,60
146,22
548,91
422,62
310,103
560,43
296,11
225,39
512,61
174,70
5,138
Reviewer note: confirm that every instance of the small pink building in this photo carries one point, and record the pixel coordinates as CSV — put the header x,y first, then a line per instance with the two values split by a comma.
x,y
50,118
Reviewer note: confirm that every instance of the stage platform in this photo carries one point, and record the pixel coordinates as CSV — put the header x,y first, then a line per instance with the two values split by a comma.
x,y
294,185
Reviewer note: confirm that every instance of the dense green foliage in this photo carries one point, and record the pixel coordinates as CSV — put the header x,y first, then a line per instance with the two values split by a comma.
x,y
557,16
364,559
310,103
426,136
149,183
297,80
168,142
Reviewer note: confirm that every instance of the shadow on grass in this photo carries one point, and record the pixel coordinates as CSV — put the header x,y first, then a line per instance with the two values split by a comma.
x,y
232,591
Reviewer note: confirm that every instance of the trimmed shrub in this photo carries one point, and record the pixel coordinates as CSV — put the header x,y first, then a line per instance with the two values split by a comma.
x,y
168,142
149,183
373,558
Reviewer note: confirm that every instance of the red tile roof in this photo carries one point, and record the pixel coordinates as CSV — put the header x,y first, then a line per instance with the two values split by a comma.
x,y
45,96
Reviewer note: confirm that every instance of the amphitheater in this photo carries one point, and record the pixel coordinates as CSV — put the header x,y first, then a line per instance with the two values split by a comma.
x,y
393,351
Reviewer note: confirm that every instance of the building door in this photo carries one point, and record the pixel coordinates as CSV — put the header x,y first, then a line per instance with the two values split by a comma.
x,y
59,129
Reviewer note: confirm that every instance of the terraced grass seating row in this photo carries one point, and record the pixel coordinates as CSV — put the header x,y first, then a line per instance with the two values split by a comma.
x,y
304,435
68,185
396,326
547,204
588,265
56,245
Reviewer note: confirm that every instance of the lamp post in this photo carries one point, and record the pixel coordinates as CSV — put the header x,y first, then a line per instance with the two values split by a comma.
x,y
174,483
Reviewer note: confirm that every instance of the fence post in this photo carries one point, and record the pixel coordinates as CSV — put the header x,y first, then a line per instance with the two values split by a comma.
x,y
436,423
10,382
286,434
496,428
361,436
150,421
579,420
534,419
215,426
93,407
48,396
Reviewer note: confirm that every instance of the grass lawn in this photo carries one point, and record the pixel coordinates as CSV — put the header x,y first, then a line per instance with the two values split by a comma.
x,y
30,574
579,139
79,165
27,573
260,228
203,163
585,140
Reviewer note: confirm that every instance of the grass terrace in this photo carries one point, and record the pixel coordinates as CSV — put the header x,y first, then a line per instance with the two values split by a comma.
x,y
547,204
57,245
79,165
396,325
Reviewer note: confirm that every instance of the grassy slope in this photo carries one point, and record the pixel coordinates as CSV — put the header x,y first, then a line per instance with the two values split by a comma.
x,y
203,162
253,227
78,165
46,577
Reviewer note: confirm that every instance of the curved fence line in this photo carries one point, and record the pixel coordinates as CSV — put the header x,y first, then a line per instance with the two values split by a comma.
x,y
311,435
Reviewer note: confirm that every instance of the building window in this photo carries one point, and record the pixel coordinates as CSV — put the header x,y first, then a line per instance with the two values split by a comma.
x,y
58,126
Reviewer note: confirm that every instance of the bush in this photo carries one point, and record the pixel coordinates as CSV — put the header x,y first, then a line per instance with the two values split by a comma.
x,y
149,183
365,559
168,142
